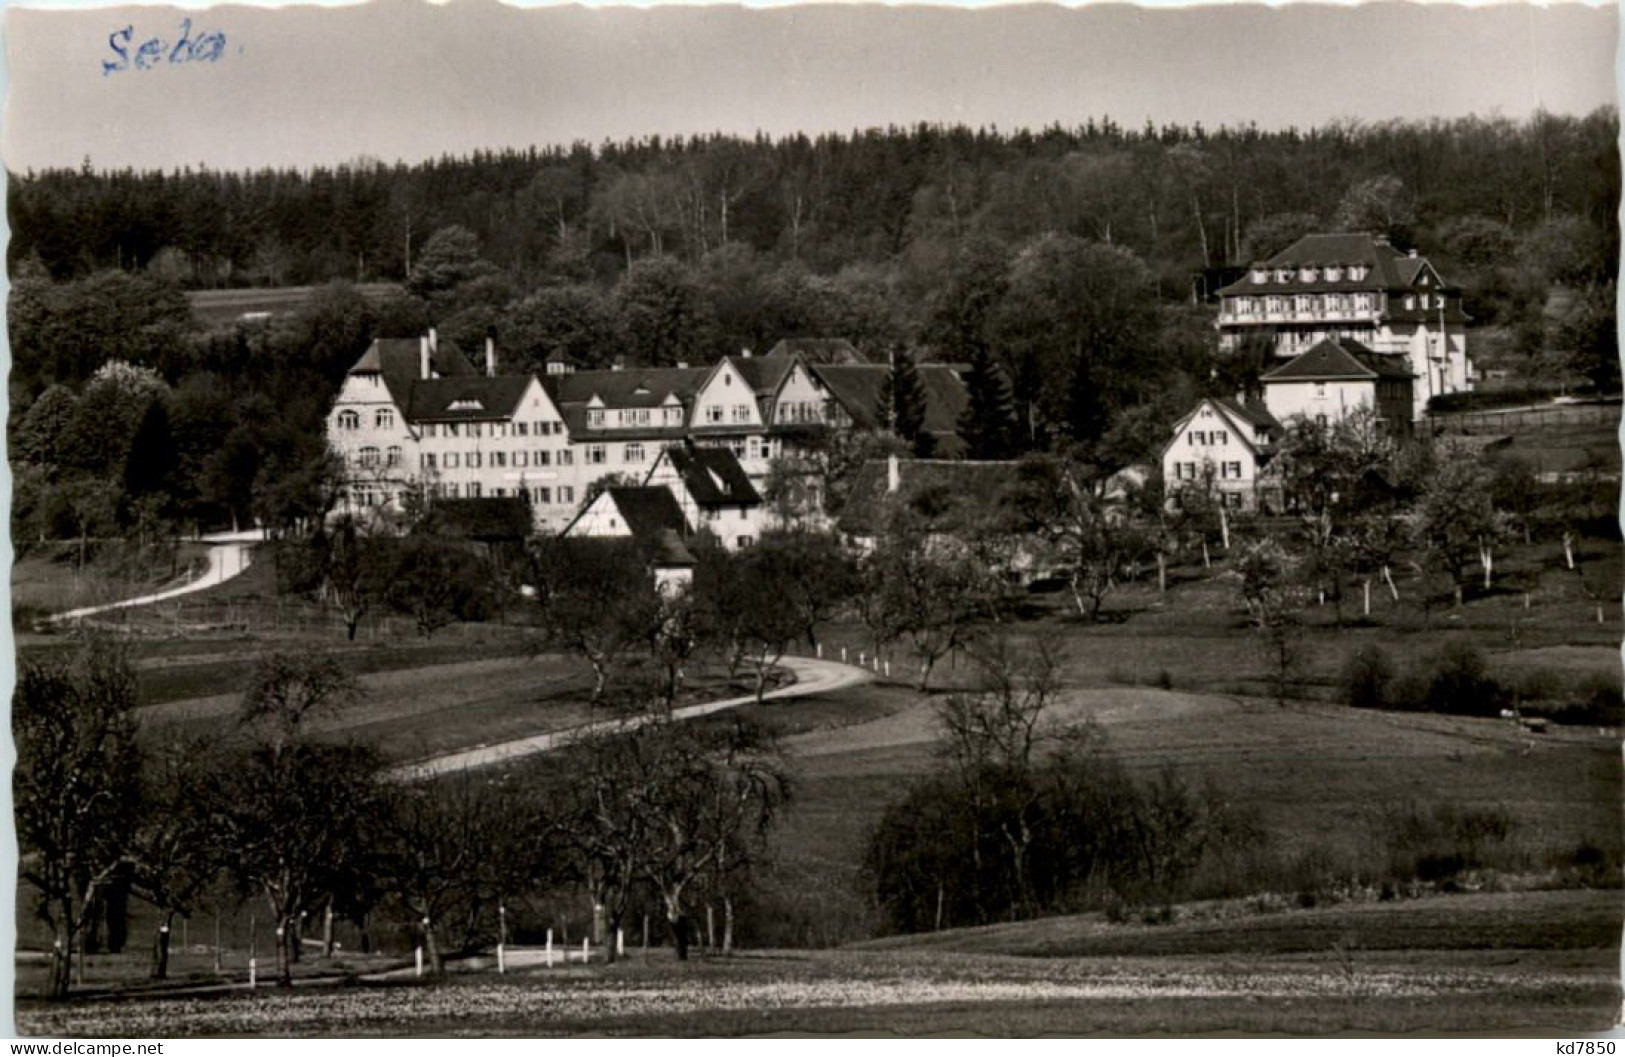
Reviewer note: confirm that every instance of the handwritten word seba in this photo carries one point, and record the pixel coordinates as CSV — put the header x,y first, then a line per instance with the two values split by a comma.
x,y
156,51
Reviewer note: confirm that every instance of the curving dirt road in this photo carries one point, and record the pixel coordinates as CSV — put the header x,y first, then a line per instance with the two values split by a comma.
x,y
227,558
813,676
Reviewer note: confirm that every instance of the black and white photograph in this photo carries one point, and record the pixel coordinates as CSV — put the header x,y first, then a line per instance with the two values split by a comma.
x,y
814,519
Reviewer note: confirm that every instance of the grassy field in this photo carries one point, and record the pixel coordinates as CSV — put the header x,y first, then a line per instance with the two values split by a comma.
x,y
1379,976
1175,680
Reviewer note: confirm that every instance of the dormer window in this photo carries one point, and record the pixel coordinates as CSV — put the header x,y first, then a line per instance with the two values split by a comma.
x,y
1357,272
1260,275
595,418
1309,274
466,404
1334,273
1283,275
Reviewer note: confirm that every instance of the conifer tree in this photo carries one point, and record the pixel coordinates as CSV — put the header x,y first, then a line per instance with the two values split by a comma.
x,y
987,421
901,405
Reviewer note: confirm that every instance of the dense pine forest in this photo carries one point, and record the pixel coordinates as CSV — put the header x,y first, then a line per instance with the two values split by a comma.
x,y
1076,258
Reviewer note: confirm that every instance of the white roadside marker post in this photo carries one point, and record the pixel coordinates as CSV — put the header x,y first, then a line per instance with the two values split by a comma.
x,y
417,956
550,948
620,943
586,952
502,936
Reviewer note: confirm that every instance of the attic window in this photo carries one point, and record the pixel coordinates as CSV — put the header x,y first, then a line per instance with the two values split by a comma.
x,y
641,390
468,404
717,481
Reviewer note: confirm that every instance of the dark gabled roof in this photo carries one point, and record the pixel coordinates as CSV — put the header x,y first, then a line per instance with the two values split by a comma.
x,y
399,361
489,519
762,374
1389,269
632,387
1335,359
857,390
649,511
713,476
1249,413
667,548
828,351
866,502
467,399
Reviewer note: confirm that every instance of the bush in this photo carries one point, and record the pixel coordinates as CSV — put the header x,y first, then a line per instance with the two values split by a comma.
x,y
1368,678
1440,842
1457,681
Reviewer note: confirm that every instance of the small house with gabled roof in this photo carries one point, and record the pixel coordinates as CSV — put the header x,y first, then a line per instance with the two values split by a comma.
x,y
1225,445
1338,377
713,491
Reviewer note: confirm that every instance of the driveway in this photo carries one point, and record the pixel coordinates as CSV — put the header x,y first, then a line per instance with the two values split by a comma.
x,y
813,676
228,556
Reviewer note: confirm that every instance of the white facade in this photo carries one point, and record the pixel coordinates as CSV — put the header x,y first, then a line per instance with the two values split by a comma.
x,y
1214,447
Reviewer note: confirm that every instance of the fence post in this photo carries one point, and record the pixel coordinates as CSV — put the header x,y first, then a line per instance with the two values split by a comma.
x,y
550,948
417,957
502,938
586,951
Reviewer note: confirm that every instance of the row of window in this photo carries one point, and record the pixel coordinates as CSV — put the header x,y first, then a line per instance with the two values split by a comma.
x,y
368,457
1310,273
799,412
1306,304
1190,471
546,496
537,428
1206,437
383,418
474,460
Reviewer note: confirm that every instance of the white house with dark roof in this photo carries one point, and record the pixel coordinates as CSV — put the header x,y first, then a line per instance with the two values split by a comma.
x,y
713,492
1223,444
1336,378
1357,287
417,414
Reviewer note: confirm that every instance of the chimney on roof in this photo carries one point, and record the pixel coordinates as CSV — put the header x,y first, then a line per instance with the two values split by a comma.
x,y
682,365
1381,240
894,474
434,341
423,357
619,363
1412,254
490,354
744,354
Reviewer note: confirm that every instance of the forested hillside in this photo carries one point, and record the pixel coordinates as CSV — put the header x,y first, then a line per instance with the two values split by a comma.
x,y
1075,258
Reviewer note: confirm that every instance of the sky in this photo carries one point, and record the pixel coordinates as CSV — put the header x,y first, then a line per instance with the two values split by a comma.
x,y
403,79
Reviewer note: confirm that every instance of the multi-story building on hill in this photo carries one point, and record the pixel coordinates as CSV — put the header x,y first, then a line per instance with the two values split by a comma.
x,y
416,415
1359,287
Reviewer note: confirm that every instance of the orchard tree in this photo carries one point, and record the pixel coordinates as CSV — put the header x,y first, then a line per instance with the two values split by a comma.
x,y
176,849
293,809
1455,521
76,788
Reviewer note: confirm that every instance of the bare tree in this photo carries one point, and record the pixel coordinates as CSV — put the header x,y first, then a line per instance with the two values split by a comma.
x,y
76,787
294,810
176,852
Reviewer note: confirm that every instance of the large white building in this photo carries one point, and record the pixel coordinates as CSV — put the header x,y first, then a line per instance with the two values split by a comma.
x,y
415,416
1357,287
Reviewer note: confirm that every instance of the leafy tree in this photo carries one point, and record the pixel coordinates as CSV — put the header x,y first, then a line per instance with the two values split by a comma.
x,y
450,257
76,787
1455,520
39,436
596,599
1063,502
436,581
664,319
928,591
574,321
1275,598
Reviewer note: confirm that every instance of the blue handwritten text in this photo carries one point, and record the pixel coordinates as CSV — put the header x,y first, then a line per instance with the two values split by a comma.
x,y
153,52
